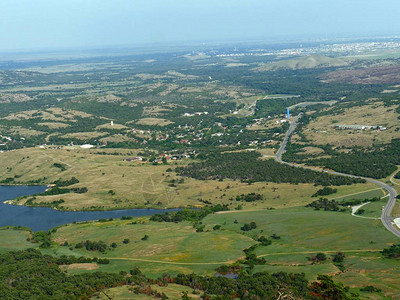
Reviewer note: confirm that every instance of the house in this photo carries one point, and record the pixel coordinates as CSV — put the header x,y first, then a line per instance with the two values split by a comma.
x,y
86,146
137,158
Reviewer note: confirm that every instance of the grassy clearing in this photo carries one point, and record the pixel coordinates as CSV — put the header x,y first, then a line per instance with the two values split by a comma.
x,y
303,229
14,239
168,242
374,209
154,270
305,232
154,122
173,291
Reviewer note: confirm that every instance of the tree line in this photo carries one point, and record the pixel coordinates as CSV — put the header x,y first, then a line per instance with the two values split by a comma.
x,y
248,167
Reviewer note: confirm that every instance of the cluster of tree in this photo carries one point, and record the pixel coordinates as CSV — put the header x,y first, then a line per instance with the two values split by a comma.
x,y
264,285
261,285
53,204
30,275
247,166
68,260
376,162
264,241
248,227
251,197
370,289
229,269
41,237
338,257
62,167
146,289
7,180
392,252
319,257
326,288
326,190
251,258
59,191
353,202
68,182
191,215
93,246
327,205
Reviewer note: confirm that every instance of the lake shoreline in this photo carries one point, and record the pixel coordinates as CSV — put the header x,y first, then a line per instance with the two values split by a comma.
x,y
83,209
46,218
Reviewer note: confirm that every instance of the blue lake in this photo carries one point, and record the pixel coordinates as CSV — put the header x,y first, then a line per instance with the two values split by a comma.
x,y
45,218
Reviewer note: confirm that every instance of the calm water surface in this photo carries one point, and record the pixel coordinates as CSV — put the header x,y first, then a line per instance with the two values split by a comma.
x,y
45,218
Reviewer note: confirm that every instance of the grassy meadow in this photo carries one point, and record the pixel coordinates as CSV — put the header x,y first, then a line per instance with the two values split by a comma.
x,y
177,248
113,183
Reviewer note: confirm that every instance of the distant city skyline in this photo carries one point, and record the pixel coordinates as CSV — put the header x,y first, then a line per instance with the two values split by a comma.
x,y
49,24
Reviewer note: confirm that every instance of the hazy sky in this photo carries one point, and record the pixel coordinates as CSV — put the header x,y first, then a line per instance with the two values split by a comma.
x,y
39,24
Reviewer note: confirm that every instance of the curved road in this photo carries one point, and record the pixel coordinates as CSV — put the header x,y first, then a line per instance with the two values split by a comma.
x,y
386,217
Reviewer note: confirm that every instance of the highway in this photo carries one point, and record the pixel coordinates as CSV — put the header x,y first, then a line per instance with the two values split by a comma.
x,y
386,218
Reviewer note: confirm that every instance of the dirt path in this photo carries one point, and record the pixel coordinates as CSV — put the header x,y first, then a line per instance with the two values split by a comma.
x,y
356,193
232,261
55,159
171,262
322,251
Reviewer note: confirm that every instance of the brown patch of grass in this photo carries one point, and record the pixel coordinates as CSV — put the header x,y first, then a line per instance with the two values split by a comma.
x,y
81,266
154,122
369,75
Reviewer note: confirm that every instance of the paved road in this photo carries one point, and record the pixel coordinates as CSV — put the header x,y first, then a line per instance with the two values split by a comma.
x,y
386,217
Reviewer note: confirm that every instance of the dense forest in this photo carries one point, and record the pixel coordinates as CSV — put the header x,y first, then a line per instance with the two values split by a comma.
x,y
266,286
376,162
248,167
30,275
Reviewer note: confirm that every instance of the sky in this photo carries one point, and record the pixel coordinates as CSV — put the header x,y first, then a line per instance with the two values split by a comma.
x,y
52,24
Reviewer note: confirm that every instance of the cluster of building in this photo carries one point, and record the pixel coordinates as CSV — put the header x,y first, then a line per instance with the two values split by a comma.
x,y
195,114
170,155
359,127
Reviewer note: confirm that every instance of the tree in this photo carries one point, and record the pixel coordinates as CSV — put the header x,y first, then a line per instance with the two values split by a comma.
x,y
326,288
338,257
217,227
185,295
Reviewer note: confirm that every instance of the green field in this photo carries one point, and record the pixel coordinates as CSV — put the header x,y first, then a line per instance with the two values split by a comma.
x,y
177,248
173,291
14,239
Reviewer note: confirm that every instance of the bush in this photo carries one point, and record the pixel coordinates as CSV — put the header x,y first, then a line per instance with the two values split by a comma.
x,y
319,257
217,227
248,227
338,257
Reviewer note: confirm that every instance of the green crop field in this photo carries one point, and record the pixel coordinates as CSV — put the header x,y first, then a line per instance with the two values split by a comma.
x,y
14,239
